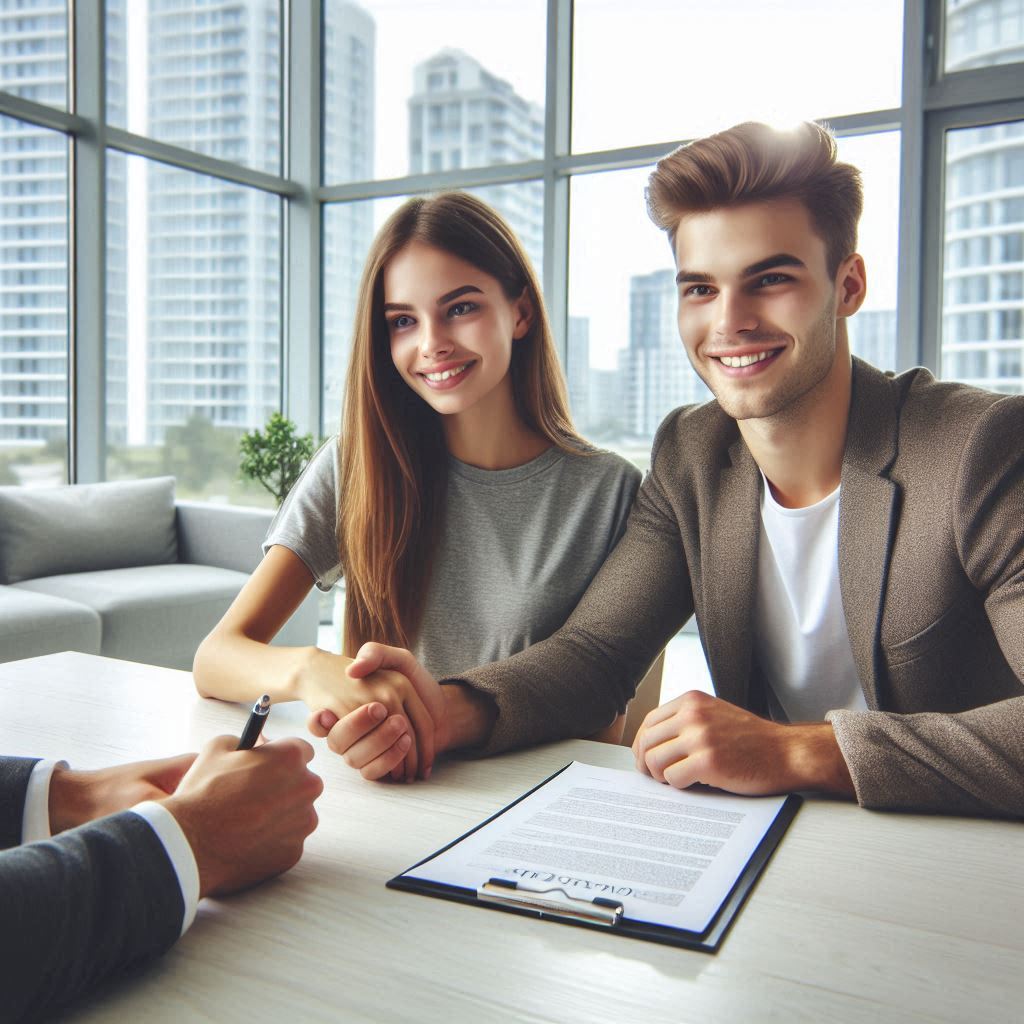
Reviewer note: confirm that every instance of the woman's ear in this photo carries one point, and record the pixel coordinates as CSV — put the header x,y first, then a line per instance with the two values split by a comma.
x,y
523,308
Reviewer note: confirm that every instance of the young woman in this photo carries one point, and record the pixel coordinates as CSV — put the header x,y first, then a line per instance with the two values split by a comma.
x,y
464,511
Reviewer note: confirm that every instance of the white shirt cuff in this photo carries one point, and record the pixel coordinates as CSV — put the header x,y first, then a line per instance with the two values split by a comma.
x,y
35,820
168,831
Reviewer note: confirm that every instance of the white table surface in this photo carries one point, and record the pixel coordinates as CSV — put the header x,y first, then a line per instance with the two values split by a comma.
x,y
859,916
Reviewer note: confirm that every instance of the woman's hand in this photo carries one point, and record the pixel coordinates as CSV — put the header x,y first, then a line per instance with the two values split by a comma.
x,y
398,709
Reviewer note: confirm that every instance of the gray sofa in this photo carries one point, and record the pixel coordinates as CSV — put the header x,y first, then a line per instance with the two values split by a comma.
x,y
123,570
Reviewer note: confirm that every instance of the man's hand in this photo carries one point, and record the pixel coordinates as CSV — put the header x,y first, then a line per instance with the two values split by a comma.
x,y
77,797
377,738
699,738
246,813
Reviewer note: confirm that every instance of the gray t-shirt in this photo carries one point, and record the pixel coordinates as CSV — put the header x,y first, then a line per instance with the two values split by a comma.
x,y
517,549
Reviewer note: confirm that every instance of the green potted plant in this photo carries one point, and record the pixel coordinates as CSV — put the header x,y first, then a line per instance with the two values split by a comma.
x,y
276,456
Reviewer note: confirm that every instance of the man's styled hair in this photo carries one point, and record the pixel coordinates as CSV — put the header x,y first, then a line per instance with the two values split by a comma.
x,y
753,163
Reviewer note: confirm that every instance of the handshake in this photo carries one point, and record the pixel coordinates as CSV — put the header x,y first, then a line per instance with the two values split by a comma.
x,y
386,715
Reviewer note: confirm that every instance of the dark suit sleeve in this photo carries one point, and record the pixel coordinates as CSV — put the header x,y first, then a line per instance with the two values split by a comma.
x,y
576,681
14,776
80,908
971,762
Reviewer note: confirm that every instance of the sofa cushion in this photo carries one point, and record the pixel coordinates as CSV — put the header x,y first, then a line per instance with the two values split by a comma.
x,y
34,624
157,614
84,527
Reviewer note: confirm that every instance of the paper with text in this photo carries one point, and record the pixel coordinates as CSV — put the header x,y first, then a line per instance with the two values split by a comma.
x,y
671,857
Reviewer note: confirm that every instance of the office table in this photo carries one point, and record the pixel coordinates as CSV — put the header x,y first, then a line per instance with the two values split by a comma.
x,y
859,916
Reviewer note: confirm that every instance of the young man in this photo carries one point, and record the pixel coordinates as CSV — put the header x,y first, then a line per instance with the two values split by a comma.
x,y
851,543
133,850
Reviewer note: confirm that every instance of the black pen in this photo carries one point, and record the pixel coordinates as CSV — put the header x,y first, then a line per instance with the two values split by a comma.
x,y
254,726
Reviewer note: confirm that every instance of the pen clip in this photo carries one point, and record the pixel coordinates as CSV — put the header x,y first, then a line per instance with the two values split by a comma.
x,y
554,902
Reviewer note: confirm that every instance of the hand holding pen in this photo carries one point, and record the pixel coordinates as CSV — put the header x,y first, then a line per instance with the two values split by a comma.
x,y
254,725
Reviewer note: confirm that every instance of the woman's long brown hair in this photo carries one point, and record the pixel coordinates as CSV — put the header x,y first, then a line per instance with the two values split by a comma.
x,y
394,462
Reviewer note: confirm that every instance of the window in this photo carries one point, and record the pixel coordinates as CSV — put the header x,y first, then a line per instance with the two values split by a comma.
x,y
682,70
983,34
415,96
975,313
172,283
453,60
34,52
218,93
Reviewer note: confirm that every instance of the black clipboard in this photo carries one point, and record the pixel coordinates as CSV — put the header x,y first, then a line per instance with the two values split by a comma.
x,y
706,941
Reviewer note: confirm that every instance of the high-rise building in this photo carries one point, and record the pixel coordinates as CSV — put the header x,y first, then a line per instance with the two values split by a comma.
x,y
577,360
983,268
460,115
33,232
873,337
658,374
213,305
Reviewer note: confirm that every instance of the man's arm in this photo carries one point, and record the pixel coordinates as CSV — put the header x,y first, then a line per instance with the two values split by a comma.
x,y
971,762
14,775
82,907
102,898
92,902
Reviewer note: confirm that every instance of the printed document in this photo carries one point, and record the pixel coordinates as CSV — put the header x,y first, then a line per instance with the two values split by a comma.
x,y
671,857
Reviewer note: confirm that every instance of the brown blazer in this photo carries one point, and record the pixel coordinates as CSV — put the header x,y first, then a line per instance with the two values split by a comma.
x,y
931,566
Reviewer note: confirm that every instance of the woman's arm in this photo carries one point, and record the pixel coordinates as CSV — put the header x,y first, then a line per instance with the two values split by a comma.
x,y
236,662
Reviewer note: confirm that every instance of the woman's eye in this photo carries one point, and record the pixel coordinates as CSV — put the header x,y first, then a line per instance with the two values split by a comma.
x,y
462,308
399,322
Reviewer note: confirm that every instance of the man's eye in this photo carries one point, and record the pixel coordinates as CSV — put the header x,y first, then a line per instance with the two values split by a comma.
x,y
462,308
766,280
699,291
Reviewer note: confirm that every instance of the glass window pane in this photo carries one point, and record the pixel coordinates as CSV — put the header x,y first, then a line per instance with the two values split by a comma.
x,y
983,271
681,69
33,304
34,50
348,229
872,331
626,365
446,96
202,75
981,33
193,325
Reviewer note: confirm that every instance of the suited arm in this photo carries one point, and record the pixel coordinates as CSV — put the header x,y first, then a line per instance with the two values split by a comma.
x,y
14,775
576,681
81,908
971,762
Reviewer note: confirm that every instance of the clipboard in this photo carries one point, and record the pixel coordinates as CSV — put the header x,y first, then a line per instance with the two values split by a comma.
x,y
601,914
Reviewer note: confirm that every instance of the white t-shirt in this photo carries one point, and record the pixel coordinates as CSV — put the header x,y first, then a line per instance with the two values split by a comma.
x,y
800,635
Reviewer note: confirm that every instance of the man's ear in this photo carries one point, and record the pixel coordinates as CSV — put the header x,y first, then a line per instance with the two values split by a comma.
x,y
525,314
851,285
